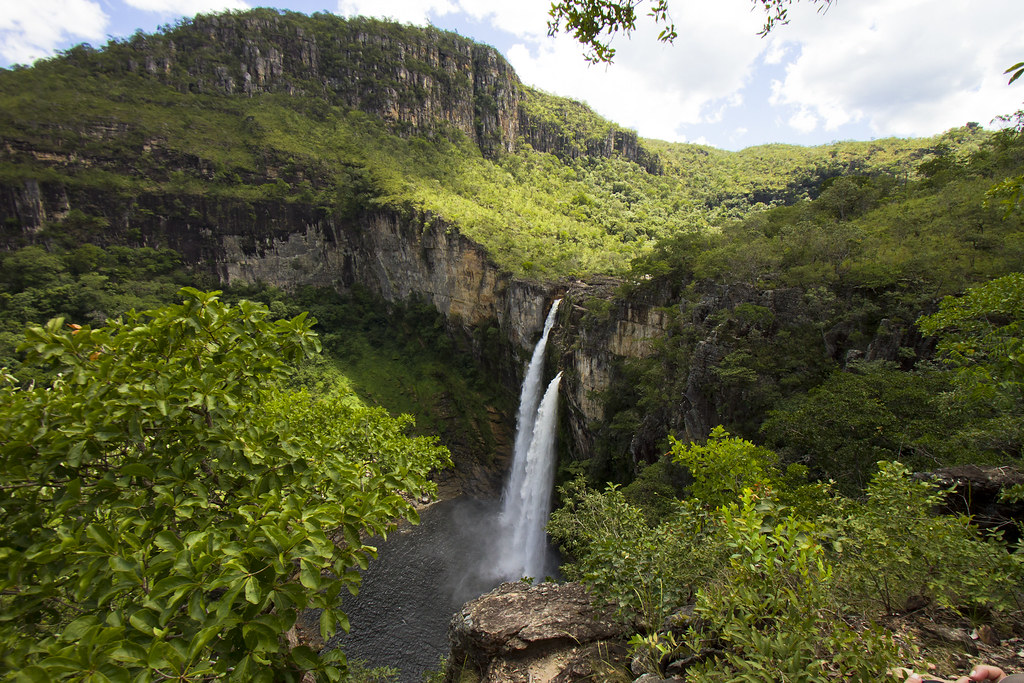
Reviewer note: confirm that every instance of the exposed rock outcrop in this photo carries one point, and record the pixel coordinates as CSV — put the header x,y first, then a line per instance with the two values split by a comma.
x,y
519,633
977,490
420,80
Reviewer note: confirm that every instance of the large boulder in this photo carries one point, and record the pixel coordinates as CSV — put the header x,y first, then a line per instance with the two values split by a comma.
x,y
523,633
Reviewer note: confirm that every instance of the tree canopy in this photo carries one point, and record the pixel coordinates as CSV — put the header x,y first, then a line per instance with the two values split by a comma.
x,y
166,515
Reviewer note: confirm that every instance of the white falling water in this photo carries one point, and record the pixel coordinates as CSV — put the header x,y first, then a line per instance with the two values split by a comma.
x,y
529,401
527,497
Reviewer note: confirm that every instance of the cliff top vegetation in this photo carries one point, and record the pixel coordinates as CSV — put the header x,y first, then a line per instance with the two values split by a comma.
x,y
359,115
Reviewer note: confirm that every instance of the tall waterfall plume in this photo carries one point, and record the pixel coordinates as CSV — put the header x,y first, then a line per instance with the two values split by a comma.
x,y
527,498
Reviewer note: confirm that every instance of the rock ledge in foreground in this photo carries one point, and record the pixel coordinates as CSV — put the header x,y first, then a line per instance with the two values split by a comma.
x,y
519,632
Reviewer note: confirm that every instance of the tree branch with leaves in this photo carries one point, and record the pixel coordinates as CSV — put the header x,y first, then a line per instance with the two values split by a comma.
x,y
594,23
171,508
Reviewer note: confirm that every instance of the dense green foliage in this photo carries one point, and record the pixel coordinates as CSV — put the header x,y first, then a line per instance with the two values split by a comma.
x,y
84,284
777,313
168,513
785,577
169,143
401,356
981,334
398,356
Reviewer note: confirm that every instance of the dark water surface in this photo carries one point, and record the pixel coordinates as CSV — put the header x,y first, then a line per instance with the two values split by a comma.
x,y
422,576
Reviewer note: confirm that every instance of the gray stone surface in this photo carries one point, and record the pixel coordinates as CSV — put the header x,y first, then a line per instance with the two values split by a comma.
x,y
519,632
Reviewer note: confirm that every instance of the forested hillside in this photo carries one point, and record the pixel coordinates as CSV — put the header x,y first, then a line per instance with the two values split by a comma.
x,y
148,118
746,336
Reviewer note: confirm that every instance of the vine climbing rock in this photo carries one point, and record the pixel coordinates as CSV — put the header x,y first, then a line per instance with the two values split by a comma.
x,y
521,632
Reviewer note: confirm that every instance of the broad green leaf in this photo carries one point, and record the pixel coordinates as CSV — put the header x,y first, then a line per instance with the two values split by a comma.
x,y
305,658
137,470
168,541
309,574
102,537
328,624
144,620
252,590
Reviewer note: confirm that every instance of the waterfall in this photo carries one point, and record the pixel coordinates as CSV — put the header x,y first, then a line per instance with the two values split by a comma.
x,y
527,497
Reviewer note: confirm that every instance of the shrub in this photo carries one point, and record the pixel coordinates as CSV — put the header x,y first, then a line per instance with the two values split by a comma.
x,y
159,521
771,617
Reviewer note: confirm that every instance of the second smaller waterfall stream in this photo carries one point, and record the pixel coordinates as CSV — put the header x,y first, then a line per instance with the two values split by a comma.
x,y
522,545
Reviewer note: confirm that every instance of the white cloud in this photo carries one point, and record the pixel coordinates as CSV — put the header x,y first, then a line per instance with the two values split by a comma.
x,y
803,120
915,67
655,88
405,11
187,7
30,30
526,19
777,52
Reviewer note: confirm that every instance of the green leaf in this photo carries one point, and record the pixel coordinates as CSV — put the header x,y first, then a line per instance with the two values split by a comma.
x,y
144,620
35,674
101,536
119,564
1017,70
137,470
304,657
114,673
167,541
328,624
252,590
76,630
129,653
167,585
202,639
309,574
342,619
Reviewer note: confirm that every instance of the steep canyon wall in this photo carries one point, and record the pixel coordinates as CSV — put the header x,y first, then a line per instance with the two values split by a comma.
x,y
394,255
422,81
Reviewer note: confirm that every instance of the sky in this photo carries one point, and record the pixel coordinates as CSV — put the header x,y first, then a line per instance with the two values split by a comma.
x,y
861,70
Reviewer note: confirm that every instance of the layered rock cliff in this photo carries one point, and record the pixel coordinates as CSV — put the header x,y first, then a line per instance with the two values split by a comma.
x,y
420,80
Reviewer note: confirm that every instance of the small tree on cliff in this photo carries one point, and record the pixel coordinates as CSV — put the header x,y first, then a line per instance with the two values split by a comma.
x,y
163,518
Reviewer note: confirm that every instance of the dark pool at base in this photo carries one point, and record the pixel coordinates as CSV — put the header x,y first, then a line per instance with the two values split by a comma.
x,y
422,576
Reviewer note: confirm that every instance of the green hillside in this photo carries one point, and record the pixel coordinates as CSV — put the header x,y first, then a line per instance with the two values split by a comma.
x,y
87,121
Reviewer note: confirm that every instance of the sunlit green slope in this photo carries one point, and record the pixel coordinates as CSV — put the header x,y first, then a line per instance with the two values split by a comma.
x,y
86,121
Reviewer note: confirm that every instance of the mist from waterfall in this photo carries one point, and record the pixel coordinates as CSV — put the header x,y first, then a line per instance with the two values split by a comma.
x,y
526,503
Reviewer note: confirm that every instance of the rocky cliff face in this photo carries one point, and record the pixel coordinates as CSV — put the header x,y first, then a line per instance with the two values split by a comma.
x,y
545,137
396,257
593,346
421,81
